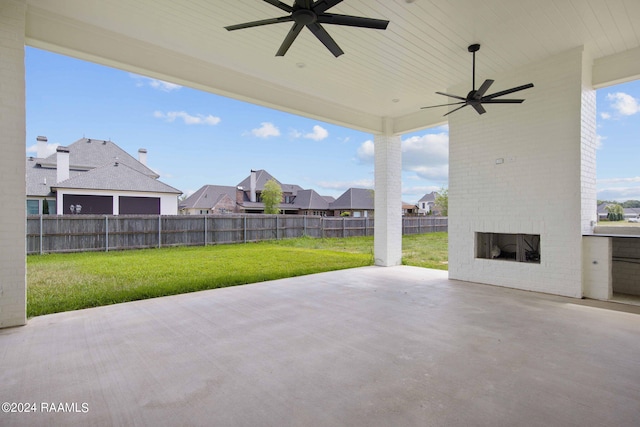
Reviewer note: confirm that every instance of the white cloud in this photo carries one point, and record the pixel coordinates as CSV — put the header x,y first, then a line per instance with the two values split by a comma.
x,y
319,133
154,83
426,155
163,86
366,152
295,134
605,116
599,141
619,180
344,185
624,103
49,150
266,130
188,119
620,194
620,189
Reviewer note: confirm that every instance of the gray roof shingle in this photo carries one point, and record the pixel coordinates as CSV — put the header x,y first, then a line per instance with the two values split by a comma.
x,y
355,198
118,177
208,196
431,197
86,153
262,177
310,200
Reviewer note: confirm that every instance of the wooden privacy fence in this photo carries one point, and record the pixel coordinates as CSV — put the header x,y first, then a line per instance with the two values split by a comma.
x,y
78,233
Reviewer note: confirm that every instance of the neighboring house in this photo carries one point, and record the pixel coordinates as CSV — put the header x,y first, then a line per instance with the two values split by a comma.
x,y
356,202
211,199
427,204
409,210
309,202
630,213
246,197
252,187
95,177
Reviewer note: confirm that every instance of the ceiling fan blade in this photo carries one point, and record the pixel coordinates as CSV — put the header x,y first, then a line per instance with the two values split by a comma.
x,y
353,21
452,96
288,41
304,4
259,23
503,101
479,108
321,6
508,91
454,110
444,105
325,38
483,89
280,5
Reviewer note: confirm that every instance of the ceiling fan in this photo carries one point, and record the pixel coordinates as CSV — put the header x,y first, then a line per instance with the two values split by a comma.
x,y
476,98
312,14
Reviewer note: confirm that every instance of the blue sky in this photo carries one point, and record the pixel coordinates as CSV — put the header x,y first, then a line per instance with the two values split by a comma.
x,y
195,138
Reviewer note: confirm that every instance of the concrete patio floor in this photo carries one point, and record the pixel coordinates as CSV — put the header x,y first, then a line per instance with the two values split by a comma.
x,y
373,346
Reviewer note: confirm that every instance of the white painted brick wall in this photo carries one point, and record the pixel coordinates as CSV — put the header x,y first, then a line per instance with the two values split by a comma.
x,y
388,201
588,188
538,188
626,265
12,164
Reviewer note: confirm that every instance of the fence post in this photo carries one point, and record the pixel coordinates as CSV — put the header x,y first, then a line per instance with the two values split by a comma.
x,y
205,230
277,237
41,234
304,226
159,231
244,232
106,233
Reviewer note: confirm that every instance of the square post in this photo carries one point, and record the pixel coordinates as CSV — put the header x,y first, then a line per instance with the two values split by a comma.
x,y
388,198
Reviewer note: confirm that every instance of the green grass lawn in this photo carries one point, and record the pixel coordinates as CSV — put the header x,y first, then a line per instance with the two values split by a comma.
x,y
63,282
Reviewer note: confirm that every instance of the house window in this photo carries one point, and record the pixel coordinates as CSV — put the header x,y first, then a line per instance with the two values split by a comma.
x,y
52,207
33,207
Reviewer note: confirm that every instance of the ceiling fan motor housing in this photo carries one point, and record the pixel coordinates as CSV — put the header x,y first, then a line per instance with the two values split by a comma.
x,y
304,16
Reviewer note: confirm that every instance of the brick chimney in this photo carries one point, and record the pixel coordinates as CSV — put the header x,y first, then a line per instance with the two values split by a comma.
x,y
142,156
62,160
252,186
41,149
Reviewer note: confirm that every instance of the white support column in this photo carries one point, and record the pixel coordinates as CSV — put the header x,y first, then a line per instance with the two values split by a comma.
x,y
12,164
388,199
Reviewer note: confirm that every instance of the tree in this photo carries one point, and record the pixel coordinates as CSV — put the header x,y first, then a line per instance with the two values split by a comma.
x,y
271,197
615,212
631,204
442,201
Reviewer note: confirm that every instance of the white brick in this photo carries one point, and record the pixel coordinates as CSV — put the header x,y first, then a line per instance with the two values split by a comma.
x,y
545,185
388,190
12,164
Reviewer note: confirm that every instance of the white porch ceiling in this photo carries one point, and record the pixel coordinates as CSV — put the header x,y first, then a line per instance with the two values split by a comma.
x,y
383,74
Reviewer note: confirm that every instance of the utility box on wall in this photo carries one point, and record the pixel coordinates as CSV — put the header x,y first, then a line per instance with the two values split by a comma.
x,y
508,247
